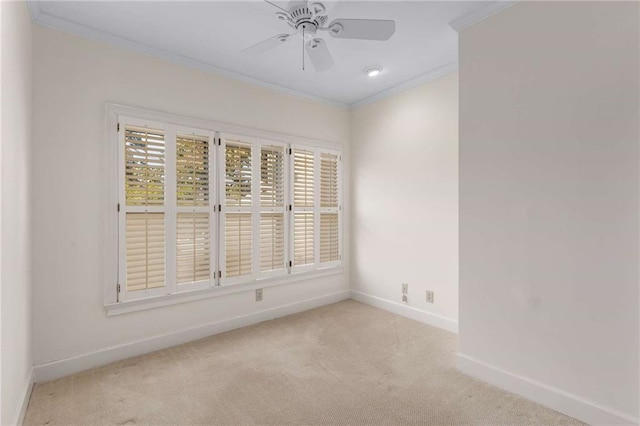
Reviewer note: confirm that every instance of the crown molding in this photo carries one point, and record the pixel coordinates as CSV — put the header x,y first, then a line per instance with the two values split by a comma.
x,y
61,24
473,18
418,81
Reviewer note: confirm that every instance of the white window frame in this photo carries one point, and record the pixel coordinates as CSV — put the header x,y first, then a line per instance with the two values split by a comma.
x,y
117,116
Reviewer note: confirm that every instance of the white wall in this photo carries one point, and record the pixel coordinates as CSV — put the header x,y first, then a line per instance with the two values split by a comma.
x,y
549,117
73,79
404,165
15,228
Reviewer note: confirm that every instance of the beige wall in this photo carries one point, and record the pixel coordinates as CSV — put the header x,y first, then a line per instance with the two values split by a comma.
x,y
15,208
404,167
73,79
549,134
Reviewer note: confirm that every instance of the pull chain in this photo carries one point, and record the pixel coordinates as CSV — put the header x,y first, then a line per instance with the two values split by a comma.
x,y
303,27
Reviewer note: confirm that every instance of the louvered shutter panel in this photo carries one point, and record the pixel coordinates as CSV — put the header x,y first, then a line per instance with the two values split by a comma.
x,y
303,238
238,214
304,178
145,250
304,206
272,176
193,248
238,244
272,209
237,174
329,208
144,166
144,201
272,239
192,171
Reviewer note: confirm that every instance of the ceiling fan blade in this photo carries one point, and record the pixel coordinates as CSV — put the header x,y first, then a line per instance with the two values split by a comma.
x,y
268,44
363,29
319,54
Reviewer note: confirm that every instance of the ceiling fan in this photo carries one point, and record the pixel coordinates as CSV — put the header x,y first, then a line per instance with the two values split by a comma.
x,y
307,19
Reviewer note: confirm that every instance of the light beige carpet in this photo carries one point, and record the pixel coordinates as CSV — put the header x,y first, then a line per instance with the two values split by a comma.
x,y
346,363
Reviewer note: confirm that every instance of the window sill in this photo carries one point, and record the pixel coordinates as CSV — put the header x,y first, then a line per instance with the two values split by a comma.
x,y
119,308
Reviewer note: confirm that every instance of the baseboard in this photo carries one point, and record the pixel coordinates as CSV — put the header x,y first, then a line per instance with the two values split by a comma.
x,y
556,399
26,395
64,367
407,311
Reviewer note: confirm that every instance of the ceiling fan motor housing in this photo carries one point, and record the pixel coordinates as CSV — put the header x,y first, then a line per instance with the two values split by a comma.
x,y
307,16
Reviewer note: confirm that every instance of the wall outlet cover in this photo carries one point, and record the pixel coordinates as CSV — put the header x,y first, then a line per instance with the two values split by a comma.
x,y
429,296
259,295
405,288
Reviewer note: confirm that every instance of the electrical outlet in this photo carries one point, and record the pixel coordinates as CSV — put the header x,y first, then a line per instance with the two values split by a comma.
x,y
405,288
404,298
259,295
429,296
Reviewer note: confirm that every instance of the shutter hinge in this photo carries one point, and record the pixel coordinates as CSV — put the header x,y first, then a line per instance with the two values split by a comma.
x,y
290,151
219,274
289,207
290,264
219,207
118,287
118,207
118,127
219,141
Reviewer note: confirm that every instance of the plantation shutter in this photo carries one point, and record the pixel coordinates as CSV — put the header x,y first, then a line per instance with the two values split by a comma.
x,y
238,209
193,220
329,207
143,206
272,209
304,207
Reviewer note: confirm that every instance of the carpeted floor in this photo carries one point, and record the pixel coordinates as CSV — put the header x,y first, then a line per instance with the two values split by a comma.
x,y
346,363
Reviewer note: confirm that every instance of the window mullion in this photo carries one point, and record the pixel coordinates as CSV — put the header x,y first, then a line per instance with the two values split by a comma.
x,y
214,215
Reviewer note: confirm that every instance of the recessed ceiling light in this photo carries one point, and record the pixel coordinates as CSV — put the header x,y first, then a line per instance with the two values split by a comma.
x,y
373,70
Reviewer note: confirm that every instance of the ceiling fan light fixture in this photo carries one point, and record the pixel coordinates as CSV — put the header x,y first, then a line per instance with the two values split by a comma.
x,y
373,70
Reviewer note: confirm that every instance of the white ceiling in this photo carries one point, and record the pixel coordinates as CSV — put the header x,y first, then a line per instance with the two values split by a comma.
x,y
213,34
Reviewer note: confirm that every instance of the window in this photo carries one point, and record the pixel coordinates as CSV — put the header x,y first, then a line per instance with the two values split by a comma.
x,y
200,208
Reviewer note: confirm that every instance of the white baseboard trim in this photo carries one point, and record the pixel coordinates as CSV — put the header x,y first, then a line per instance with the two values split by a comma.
x,y
64,367
556,399
26,395
407,311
